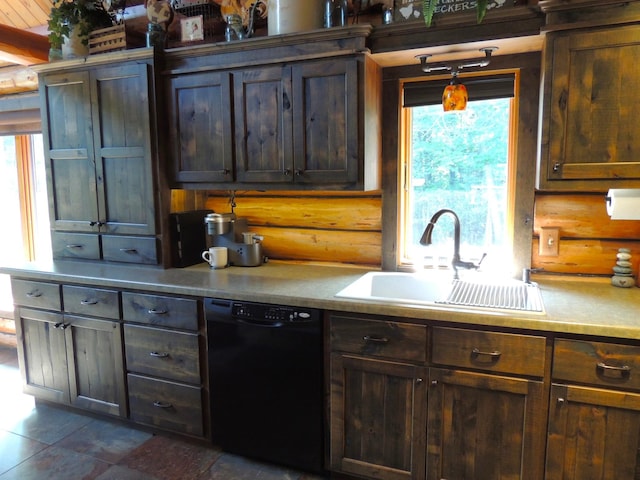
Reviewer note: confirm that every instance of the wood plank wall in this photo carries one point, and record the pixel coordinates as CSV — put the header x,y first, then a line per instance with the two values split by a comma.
x,y
343,227
346,227
589,239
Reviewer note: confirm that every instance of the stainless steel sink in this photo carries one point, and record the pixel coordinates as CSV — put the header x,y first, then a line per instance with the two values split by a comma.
x,y
438,287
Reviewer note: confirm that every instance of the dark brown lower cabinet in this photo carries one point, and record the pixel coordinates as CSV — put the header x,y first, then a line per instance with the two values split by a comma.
x,y
42,352
71,359
593,434
94,358
484,427
378,418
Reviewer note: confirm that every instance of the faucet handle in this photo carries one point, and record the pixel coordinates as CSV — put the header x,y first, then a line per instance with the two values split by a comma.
x,y
484,255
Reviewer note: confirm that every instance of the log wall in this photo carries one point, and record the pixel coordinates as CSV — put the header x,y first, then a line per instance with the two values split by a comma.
x,y
589,239
341,227
346,227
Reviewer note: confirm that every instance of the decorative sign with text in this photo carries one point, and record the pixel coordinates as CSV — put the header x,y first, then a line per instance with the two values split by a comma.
x,y
412,9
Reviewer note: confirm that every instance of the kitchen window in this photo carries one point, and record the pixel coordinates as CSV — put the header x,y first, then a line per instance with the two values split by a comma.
x,y
465,161
24,215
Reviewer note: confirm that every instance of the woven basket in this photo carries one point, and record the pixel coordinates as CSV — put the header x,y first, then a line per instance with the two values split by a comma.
x,y
108,39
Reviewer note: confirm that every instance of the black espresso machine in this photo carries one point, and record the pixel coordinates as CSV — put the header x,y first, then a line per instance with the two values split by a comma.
x,y
227,230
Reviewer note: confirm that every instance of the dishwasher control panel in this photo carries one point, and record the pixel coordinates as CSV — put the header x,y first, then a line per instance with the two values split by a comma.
x,y
278,313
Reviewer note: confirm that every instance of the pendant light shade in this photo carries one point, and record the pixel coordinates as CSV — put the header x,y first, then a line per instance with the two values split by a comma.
x,y
455,96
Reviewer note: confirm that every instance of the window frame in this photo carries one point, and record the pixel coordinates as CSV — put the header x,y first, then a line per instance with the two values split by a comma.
x,y
405,161
525,148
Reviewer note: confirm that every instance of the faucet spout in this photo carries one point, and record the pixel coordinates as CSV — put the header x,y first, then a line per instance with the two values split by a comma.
x,y
456,262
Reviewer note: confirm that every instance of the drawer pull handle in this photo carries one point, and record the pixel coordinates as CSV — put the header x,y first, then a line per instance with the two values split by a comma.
x,y
89,302
154,311
159,355
58,324
162,404
624,370
493,355
369,338
74,246
131,251
34,294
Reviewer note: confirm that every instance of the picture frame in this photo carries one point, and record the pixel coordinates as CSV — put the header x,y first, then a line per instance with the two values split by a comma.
x,y
191,29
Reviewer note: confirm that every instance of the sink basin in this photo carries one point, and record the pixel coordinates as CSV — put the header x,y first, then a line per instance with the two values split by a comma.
x,y
439,287
397,287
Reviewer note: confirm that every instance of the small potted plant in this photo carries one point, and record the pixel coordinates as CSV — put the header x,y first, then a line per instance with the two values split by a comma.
x,y
71,21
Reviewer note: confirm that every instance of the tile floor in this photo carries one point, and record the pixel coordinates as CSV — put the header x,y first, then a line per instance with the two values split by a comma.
x,y
44,442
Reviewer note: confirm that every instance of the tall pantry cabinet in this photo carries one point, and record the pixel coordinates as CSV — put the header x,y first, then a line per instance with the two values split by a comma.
x,y
99,125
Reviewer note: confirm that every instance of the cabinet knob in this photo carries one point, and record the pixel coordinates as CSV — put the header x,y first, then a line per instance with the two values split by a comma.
x,y
419,380
561,400
299,172
226,171
556,167
287,172
434,383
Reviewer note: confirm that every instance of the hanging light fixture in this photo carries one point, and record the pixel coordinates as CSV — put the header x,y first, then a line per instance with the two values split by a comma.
x,y
455,96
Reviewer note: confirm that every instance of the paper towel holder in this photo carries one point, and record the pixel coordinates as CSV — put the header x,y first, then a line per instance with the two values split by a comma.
x,y
625,194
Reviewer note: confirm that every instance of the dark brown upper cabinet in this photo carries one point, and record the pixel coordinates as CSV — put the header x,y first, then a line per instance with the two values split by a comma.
x,y
97,124
589,139
286,114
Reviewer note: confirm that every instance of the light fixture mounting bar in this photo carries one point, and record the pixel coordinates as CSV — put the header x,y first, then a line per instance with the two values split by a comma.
x,y
455,66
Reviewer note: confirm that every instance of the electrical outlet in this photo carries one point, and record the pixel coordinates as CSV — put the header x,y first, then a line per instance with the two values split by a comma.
x,y
549,242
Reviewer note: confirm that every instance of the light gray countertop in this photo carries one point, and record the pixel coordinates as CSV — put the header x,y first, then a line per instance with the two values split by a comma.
x,y
575,305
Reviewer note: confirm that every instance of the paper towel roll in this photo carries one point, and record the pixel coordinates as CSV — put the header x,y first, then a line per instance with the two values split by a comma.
x,y
623,204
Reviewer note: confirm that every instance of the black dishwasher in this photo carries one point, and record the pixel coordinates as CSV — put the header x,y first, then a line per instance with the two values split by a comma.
x,y
266,382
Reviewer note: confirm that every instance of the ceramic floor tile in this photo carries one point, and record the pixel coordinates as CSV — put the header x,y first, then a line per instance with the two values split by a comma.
x,y
108,441
168,458
48,424
16,449
55,463
233,467
118,472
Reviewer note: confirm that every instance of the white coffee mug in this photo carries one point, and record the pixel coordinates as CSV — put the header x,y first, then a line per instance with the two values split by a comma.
x,y
216,257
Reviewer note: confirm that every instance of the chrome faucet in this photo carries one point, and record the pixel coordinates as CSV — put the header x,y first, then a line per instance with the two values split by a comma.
x,y
456,263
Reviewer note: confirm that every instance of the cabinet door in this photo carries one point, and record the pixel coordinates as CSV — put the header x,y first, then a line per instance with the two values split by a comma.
x,y
263,123
41,350
378,418
71,177
325,121
121,128
484,427
594,434
590,130
200,127
96,370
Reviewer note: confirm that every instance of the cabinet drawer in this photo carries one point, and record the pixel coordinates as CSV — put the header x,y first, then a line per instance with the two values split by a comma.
x,y
142,250
401,341
162,353
166,404
95,302
492,351
159,310
75,245
31,293
597,363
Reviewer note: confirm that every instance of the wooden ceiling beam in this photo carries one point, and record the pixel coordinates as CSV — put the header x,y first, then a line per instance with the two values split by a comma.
x,y
23,47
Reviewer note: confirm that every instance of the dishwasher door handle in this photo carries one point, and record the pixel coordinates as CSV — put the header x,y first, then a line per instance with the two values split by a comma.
x,y
260,323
